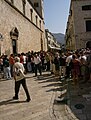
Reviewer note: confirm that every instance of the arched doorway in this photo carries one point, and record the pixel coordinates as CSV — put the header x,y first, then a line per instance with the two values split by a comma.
x,y
88,44
14,34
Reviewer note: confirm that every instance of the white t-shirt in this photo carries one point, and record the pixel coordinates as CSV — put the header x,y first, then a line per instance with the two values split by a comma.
x,y
18,70
68,59
37,60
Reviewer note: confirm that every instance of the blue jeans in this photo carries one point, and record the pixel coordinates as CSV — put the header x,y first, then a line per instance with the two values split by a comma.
x,y
7,72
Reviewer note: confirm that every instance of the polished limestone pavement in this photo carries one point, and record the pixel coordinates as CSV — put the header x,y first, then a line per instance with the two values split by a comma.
x,y
51,99
44,105
79,100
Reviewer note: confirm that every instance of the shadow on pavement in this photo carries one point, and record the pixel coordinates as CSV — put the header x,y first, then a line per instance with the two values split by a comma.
x,y
58,85
10,101
2,80
54,89
49,80
45,78
53,84
62,102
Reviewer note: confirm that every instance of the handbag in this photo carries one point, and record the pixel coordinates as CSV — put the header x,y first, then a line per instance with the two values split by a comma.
x,y
19,75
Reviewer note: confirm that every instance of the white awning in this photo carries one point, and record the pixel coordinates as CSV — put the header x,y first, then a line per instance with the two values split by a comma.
x,y
56,48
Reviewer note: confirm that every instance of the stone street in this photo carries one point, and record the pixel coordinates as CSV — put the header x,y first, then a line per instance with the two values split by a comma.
x,y
43,91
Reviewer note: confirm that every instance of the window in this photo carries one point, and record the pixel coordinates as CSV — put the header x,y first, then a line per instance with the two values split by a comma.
x,y
36,4
31,13
40,23
88,25
86,7
36,19
24,3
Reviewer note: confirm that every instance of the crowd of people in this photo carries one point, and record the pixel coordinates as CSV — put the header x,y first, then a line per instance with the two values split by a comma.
x,y
75,64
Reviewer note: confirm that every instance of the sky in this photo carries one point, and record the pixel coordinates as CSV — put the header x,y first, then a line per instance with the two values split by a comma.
x,y
56,15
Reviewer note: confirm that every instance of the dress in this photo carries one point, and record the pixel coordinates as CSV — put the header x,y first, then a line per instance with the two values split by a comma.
x,y
76,67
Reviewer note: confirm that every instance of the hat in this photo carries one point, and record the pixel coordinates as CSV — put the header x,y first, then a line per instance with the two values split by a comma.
x,y
17,59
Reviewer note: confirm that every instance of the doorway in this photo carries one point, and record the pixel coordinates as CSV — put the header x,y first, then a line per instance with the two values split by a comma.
x,y
88,44
14,45
14,34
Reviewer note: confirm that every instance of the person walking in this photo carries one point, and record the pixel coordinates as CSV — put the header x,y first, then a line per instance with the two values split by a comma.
x,y
76,64
57,63
29,68
68,67
11,62
6,68
62,67
37,62
18,73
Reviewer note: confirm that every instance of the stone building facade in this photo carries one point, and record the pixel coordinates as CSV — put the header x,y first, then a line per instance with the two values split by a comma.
x,y
52,44
78,31
21,26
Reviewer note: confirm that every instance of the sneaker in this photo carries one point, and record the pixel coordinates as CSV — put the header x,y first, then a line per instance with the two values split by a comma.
x,y
15,98
35,76
28,100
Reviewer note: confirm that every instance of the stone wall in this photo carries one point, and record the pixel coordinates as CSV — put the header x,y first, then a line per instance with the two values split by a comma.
x,y
80,17
76,26
29,34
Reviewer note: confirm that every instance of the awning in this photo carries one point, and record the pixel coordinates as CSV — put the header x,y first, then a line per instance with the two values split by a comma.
x,y
56,48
